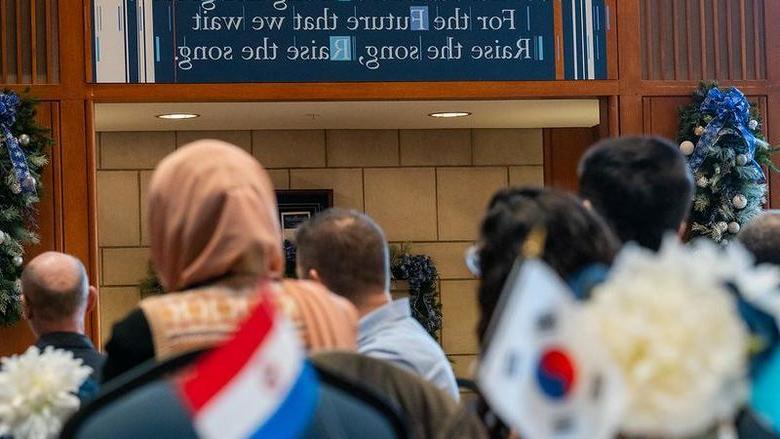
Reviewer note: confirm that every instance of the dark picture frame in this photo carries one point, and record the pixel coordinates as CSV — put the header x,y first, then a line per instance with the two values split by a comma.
x,y
298,205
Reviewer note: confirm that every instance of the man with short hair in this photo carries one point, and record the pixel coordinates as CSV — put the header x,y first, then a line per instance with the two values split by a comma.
x,y
55,297
346,251
761,236
642,186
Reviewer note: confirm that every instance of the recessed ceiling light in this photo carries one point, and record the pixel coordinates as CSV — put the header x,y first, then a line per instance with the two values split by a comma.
x,y
178,116
448,114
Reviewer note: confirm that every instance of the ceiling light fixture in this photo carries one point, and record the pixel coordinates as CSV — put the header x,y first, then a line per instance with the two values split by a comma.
x,y
178,116
449,114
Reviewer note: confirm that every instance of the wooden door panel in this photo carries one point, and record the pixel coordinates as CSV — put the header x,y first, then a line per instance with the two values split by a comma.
x,y
563,148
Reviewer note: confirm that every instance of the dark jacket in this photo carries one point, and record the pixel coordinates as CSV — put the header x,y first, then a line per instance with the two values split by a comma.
x,y
79,345
432,413
130,345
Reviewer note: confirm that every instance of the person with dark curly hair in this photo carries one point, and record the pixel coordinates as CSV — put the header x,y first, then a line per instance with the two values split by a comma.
x,y
578,246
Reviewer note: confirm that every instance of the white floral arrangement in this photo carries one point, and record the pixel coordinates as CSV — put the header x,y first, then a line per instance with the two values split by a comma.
x,y
672,326
38,392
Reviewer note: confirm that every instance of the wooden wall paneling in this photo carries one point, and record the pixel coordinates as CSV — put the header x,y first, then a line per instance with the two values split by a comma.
x,y
3,42
662,115
771,15
90,146
614,116
558,32
612,39
630,65
344,91
563,149
77,191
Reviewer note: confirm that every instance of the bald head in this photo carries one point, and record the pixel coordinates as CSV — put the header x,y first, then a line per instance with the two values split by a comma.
x,y
55,289
347,250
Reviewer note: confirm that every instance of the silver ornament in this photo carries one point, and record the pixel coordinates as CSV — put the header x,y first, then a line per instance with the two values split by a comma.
x,y
739,201
702,182
29,182
763,200
2,237
699,130
18,261
687,147
721,226
24,139
18,285
734,227
16,189
741,159
753,124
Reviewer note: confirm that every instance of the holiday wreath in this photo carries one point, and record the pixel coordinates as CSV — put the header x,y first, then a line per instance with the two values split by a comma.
x,y
22,156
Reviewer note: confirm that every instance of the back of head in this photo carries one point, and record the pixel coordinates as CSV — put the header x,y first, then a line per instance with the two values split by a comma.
x,y
576,238
641,185
55,289
761,237
212,214
348,251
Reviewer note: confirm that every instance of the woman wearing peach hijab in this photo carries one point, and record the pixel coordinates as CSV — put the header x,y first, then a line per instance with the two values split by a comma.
x,y
215,236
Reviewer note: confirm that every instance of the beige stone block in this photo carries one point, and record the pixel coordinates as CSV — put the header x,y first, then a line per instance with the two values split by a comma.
x,y
403,202
526,176
242,139
362,148
463,365
135,150
125,266
463,194
449,257
289,148
280,178
145,178
115,304
118,208
435,147
347,184
460,314
508,147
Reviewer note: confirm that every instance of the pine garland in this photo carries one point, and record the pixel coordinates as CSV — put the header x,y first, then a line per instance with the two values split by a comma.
x,y
18,208
730,187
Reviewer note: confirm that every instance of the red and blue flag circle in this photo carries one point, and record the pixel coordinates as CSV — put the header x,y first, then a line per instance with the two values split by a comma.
x,y
556,373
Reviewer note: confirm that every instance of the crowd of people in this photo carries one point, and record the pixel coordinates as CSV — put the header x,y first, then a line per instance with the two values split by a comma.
x,y
216,246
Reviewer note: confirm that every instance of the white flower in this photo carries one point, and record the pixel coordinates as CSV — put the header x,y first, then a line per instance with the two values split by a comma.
x,y
37,392
672,327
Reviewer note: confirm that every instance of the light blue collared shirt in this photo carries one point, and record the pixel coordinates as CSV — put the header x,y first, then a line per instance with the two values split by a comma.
x,y
390,333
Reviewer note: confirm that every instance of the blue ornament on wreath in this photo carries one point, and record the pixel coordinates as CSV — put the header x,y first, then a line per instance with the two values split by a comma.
x,y
9,104
722,108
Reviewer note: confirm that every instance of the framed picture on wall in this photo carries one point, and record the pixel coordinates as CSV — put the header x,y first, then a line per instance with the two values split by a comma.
x,y
298,205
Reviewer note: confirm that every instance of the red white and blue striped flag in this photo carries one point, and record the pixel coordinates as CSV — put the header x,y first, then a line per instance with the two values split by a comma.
x,y
257,385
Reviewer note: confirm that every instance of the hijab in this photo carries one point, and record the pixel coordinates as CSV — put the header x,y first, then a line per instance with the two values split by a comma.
x,y
325,321
212,215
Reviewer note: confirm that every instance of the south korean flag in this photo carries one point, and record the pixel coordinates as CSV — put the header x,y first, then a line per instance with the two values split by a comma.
x,y
544,373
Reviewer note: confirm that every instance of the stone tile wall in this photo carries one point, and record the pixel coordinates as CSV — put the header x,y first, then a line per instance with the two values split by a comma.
x,y
426,187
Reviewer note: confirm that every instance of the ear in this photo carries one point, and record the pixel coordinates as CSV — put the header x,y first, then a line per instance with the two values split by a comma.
x,y
588,205
682,230
91,298
314,275
26,310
